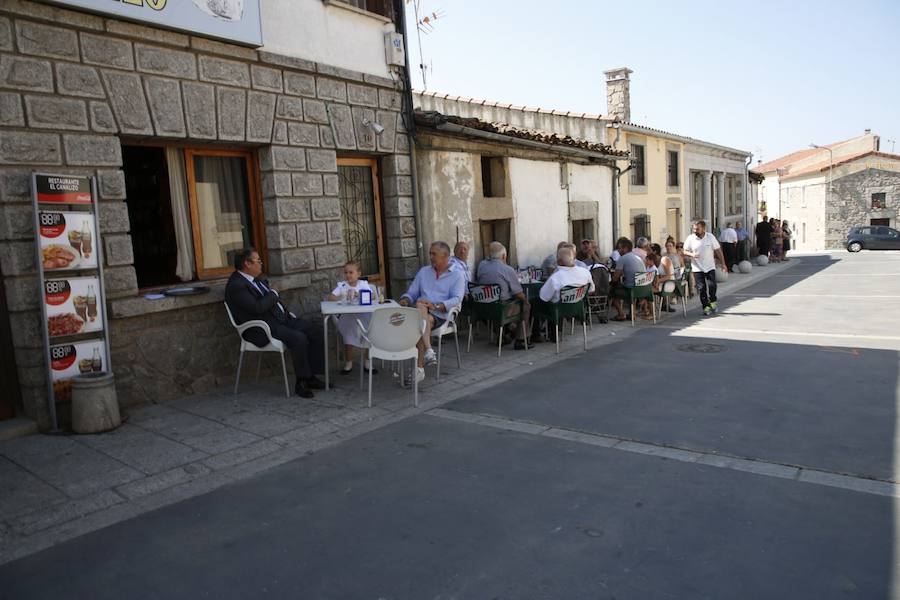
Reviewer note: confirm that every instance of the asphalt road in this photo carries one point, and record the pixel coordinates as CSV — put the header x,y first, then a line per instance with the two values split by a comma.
x,y
796,372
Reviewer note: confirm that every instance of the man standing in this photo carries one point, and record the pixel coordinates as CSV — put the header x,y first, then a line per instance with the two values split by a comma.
x,y
702,248
251,298
494,270
729,245
460,260
764,236
435,291
742,236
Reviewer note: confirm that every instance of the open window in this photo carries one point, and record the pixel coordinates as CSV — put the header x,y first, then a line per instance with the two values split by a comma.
x,y
190,210
497,230
493,177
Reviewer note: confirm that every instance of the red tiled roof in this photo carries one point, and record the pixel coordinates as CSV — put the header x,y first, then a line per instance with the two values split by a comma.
x,y
826,165
787,160
434,119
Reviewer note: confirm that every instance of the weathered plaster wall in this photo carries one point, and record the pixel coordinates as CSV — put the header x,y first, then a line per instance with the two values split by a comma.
x,y
541,209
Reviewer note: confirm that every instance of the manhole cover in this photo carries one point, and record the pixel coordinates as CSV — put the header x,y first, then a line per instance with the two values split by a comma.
x,y
701,348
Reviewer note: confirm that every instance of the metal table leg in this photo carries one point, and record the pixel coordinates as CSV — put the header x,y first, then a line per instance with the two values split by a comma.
x,y
325,326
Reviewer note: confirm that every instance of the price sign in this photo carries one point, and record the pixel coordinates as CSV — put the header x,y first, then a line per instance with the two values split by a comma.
x,y
72,307
69,360
68,240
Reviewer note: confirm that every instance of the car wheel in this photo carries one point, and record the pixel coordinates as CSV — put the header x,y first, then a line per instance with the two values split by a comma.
x,y
854,246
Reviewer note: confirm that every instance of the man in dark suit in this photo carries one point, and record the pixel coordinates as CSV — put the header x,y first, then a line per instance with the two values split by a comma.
x,y
764,236
250,298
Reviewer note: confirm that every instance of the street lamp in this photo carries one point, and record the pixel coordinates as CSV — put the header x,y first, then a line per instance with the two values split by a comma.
x,y
830,165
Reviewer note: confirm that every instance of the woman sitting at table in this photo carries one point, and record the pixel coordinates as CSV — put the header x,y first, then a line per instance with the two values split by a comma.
x,y
349,289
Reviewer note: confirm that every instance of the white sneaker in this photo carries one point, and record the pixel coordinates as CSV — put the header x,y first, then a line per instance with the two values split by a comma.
x,y
419,374
430,357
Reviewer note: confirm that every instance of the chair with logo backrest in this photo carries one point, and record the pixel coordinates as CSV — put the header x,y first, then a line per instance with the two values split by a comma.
x,y
572,305
642,290
392,334
247,346
487,307
686,277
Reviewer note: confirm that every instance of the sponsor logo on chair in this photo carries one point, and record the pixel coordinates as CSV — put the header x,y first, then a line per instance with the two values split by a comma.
x,y
485,294
572,295
397,319
641,279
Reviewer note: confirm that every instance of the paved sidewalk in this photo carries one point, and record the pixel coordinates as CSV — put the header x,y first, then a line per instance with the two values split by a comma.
x,y
59,487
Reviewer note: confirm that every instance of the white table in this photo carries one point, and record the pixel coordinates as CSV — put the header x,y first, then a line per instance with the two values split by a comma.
x,y
333,308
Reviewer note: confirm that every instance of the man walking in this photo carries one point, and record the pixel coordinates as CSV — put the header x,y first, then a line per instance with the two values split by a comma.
x,y
703,248
250,298
742,236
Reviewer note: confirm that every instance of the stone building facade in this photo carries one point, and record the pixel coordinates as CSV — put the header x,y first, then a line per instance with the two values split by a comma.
x,y
77,88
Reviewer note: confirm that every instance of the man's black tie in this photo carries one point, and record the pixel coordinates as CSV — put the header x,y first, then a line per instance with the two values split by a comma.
x,y
264,285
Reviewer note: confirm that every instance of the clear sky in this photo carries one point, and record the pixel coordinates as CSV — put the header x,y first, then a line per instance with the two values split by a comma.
x,y
767,77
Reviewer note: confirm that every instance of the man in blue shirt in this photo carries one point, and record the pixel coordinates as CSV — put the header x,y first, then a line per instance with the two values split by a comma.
x,y
436,290
460,260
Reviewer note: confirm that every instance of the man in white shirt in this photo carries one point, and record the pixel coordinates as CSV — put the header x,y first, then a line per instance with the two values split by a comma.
x,y
729,240
703,248
566,274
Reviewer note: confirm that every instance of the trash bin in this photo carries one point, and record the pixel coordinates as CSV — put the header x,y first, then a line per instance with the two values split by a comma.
x,y
95,407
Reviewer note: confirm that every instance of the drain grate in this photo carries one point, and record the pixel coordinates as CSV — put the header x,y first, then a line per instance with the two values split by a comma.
x,y
701,348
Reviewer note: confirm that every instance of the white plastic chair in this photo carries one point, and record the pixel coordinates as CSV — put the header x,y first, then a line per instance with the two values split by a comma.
x,y
273,346
392,334
447,328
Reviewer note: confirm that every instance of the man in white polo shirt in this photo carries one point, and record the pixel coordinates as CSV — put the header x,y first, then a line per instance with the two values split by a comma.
x,y
702,248
729,241
566,273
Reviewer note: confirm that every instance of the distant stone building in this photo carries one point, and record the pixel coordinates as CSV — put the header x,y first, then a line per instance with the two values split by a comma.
x,y
823,194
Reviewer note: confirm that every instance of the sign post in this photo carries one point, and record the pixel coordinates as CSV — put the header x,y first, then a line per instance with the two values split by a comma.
x,y
70,272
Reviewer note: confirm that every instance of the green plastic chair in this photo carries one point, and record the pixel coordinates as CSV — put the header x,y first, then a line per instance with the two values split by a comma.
x,y
642,290
486,306
572,305
686,277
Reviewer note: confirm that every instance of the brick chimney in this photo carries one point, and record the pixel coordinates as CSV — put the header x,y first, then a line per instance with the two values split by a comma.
x,y
618,93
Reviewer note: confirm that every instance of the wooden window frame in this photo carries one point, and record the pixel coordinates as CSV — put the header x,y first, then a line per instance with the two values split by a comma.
x,y
381,277
639,166
672,178
254,210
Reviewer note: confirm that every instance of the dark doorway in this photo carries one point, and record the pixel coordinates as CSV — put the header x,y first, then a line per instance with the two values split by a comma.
x,y
150,213
11,395
882,222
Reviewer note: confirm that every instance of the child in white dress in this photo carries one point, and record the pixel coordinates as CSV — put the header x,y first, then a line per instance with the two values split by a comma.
x,y
349,289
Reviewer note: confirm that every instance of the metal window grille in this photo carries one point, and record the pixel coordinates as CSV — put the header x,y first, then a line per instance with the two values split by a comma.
x,y
637,158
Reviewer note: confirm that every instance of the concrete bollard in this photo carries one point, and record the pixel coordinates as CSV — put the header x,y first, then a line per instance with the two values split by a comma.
x,y
95,407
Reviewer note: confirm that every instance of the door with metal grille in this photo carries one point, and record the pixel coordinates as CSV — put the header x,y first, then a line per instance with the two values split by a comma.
x,y
361,216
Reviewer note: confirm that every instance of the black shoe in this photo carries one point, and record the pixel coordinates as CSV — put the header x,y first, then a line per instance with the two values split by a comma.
x,y
670,309
373,369
520,345
314,383
302,389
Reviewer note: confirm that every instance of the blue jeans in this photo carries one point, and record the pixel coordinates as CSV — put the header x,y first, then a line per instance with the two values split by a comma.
x,y
706,286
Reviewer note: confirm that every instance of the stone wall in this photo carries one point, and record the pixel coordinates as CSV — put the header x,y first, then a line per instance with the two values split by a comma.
x,y
851,203
73,85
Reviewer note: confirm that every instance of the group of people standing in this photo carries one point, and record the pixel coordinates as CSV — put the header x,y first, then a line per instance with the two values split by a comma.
x,y
773,239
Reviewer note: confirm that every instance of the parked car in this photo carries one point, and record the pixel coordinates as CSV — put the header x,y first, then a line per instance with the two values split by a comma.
x,y
872,237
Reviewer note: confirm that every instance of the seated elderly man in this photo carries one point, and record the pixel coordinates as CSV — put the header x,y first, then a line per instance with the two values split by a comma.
x,y
435,291
566,274
641,247
627,266
494,270
460,260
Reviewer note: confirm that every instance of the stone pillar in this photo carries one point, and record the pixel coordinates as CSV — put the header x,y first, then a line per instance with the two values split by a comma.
x,y
618,94
707,197
720,201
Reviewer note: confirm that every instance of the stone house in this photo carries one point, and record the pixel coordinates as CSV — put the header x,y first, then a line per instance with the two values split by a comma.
x,y
200,145
823,192
673,179
525,177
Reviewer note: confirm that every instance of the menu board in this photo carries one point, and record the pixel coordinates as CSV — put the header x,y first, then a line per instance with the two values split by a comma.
x,y
72,307
68,240
69,360
71,280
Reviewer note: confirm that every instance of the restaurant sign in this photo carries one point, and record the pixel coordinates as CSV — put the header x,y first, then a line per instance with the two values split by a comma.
x,y
232,20
70,272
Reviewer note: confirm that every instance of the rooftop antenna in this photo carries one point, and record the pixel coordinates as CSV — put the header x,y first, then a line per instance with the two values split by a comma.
x,y
424,25
892,144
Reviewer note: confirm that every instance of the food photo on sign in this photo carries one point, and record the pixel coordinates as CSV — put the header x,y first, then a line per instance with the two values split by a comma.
x,y
68,240
72,306
70,360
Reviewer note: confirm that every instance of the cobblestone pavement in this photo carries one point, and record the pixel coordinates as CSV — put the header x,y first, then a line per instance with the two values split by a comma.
x,y
60,487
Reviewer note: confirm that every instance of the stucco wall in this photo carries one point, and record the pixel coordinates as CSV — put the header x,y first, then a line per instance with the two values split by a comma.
x,y
803,203
325,32
594,184
541,209
447,187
